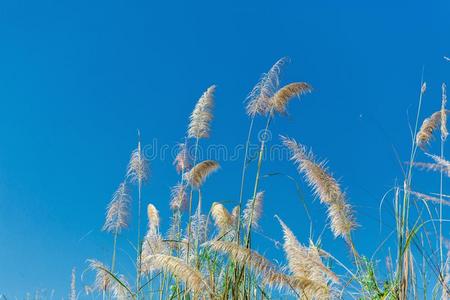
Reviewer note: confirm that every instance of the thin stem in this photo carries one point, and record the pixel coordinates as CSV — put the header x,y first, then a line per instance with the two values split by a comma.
x,y
258,172
138,269
244,171
190,205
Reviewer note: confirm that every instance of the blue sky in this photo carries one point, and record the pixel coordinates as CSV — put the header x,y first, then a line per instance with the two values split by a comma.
x,y
77,78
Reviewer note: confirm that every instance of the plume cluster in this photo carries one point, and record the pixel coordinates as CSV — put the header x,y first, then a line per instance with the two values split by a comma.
x,y
257,263
325,187
191,277
307,267
198,174
258,101
200,119
117,213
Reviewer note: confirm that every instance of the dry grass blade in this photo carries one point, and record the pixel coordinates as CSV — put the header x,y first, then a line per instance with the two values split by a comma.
x,y
281,98
198,174
192,278
117,213
200,119
259,97
257,209
325,187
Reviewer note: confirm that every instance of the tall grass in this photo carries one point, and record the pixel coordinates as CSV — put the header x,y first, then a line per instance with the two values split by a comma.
x,y
195,261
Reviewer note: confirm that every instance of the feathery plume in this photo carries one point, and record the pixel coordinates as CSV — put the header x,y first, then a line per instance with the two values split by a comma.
x,y
444,132
257,210
198,174
258,101
102,277
120,288
325,187
138,169
442,163
178,197
117,213
429,125
199,229
235,213
73,290
153,218
200,119
182,161
305,263
222,218
281,98
153,244
191,277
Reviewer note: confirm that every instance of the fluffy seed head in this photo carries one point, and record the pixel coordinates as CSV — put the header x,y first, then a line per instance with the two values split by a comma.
x,y
182,161
222,217
253,210
325,187
153,218
429,125
281,98
200,119
258,101
198,174
117,213
102,277
138,167
178,197
306,264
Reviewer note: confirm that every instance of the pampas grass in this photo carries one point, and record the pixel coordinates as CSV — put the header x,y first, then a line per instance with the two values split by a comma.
x,y
190,261
198,174
281,98
222,218
117,213
199,126
325,187
258,101
253,211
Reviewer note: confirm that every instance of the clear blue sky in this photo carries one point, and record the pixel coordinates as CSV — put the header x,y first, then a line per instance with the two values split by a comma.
x,y
77,78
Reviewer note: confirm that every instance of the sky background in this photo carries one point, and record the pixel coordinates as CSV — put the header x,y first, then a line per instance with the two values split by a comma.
x,y
77,78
